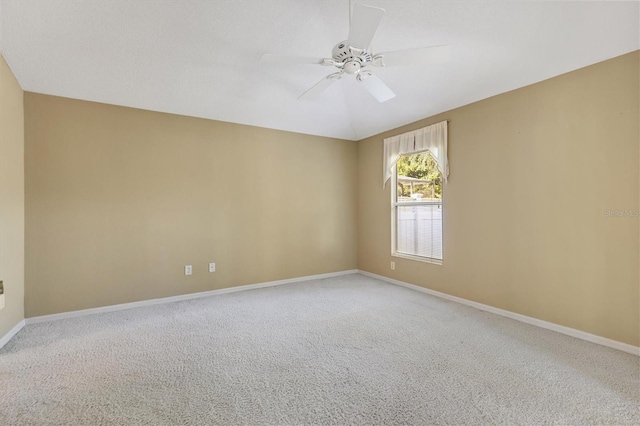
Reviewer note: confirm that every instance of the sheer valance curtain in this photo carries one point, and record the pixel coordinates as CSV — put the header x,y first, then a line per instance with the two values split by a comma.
x,y
431,138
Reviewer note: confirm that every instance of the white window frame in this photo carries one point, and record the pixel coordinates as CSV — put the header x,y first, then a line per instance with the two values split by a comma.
x,y
394,222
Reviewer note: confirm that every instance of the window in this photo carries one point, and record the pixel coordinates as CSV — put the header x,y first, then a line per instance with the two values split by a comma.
x,y
416,163
417,207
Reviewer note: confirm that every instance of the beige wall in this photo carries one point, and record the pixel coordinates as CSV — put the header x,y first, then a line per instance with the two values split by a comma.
x,y
119,200
532,173
11,199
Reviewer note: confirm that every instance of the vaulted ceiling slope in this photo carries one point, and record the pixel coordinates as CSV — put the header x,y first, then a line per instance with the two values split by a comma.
x,y
202,58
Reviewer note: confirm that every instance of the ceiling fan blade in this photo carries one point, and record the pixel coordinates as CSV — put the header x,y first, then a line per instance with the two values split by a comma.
x,y
284,59
376,87
419,56
320,86
364,23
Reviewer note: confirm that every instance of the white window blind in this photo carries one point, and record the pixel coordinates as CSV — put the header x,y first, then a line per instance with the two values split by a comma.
x,y
419,230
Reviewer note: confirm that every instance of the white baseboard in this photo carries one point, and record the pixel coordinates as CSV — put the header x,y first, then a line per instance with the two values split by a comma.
x,y
5,339
624,347
518,317
131,305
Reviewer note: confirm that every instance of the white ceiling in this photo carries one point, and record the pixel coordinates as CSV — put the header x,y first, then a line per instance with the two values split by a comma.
x,y
202,58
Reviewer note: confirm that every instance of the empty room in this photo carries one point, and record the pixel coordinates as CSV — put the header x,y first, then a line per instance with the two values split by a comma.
x,y
319,212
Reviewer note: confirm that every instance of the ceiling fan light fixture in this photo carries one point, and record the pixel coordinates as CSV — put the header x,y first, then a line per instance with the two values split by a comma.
x,y
352,67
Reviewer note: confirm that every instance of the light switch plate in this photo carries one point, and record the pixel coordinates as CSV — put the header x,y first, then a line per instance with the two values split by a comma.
x,y
212,267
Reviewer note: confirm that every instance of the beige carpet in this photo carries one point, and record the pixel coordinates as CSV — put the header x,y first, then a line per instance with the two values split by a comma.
x,y
347,350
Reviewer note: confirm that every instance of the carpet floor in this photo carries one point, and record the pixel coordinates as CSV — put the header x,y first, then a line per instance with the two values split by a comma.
x,y
344,350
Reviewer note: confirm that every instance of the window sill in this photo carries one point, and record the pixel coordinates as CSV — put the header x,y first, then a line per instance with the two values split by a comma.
x,y
418,258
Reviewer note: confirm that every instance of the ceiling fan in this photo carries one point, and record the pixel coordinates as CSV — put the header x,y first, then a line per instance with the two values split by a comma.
x,y
353,57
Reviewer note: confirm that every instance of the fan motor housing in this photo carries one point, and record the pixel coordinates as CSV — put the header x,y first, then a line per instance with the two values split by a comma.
x,y
344,53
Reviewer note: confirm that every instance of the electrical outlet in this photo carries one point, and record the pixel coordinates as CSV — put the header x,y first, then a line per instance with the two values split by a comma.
x,y
187,270
212,267
1,295
393,266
